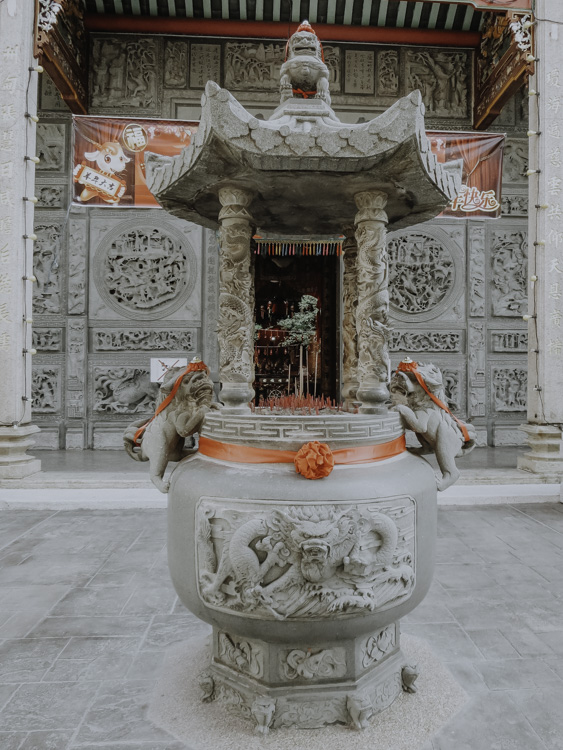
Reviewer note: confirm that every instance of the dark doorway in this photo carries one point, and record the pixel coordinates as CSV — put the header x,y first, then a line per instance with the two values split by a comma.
x,y
280,283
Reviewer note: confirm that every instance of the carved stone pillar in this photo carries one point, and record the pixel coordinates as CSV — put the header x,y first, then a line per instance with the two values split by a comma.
x,y
349,334
18,94
236,299
372,315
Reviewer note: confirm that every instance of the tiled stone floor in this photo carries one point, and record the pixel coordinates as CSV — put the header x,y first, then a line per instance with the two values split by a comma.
x,y
87,611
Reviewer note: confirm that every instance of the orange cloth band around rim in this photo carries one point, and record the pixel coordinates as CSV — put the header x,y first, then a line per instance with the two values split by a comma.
x,y
243,454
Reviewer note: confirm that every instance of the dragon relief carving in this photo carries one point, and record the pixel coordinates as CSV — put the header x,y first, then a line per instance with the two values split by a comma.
x,y
163,439
314,664
435,427
242,655
304,73
303,561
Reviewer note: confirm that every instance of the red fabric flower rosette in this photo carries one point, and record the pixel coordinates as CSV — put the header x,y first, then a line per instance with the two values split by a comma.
x,y
314,460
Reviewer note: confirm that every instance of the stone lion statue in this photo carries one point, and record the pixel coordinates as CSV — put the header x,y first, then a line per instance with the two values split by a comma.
x,y
163,438
304,73
435,426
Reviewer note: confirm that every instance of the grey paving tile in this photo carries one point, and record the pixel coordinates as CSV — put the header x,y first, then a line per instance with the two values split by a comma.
x,y
108,667
168,629
146,666
514,674
40,707
20,623
542,708
31,596
91,601
119,714
526,642
27,660
493,644
151,745
11,740
516,573
468,677
556,664
491,722
53,569
447,639
464,577
554,639
156,598
6,692
101,625
47,741
483,615
92,647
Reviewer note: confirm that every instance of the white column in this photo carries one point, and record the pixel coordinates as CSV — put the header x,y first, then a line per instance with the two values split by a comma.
x,y
18,95
545,327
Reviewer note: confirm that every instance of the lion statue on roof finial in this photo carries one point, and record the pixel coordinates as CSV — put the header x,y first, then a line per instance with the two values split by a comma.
x,y
304,74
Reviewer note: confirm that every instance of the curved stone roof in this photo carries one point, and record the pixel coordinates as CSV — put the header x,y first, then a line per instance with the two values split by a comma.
x,y
304,165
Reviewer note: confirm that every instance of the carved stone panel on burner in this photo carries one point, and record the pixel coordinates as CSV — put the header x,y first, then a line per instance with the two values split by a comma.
x,y
509,388
388,74
368,562
143,271
442,78
46,389
47,260
509,261
123,390
124,74
50,148
377,646
244,656
313,664
425,273
175,64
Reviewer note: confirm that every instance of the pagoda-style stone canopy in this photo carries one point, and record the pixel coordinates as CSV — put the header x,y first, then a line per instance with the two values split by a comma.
x,y
304,173
302,152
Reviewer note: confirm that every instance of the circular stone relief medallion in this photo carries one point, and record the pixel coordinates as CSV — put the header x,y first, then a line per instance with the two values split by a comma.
x,y
145,272
425,273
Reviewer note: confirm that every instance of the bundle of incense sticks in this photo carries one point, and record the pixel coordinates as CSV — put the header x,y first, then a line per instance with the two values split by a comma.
x,y
294,404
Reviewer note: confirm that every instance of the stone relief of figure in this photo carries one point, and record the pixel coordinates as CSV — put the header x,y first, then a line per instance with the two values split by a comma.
x,y
304,72
162,440
418,394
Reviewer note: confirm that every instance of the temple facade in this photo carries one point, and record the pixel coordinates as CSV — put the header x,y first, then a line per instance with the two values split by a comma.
x,y
90,375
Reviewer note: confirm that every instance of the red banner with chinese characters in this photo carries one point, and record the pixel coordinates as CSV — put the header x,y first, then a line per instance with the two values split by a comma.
x,y
109,162
482,155
109,157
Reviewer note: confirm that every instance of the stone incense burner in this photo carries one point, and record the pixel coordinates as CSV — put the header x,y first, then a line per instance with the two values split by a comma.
x,y
305,580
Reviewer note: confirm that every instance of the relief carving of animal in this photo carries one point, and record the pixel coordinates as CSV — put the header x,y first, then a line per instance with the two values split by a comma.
x,y
435,426
304,73
163,439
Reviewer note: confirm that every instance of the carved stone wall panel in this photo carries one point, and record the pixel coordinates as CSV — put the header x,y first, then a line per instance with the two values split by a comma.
x,y
145,340
76,367
50,98
514,204
47,339
426,341
51,147
477,265
48,265
509,342
515,162
508,436
51,195
426,274
454,385
443,78
388,72
509,387
46,389
122,390
175,64
205,64
477,355
144,268
125,74
359,72
509,273
77,266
